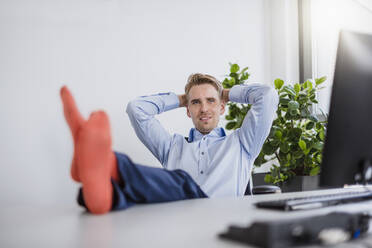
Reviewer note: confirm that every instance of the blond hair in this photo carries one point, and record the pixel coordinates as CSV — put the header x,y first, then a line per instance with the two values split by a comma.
x,y
199,78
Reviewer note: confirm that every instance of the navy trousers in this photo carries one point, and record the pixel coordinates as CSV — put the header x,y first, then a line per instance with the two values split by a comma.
x,y
143,184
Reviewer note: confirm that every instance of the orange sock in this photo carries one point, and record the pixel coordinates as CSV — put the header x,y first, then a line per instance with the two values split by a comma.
x,y
74,120
96,162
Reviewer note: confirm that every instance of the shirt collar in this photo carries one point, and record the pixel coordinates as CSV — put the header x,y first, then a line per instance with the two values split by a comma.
x,y
195,135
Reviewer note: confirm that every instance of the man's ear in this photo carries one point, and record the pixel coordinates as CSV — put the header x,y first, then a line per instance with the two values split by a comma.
x,y
188,111
222,110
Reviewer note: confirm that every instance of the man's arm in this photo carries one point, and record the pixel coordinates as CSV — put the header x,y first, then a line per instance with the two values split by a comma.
x,y
142,113
257,123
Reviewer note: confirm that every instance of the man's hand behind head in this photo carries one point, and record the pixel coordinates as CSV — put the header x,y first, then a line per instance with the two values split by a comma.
x,y
225,95
183,100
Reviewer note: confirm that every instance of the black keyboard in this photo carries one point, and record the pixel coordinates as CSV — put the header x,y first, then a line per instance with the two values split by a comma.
x,y
318,201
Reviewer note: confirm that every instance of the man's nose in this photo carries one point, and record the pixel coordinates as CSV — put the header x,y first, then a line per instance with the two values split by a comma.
x,y
204,107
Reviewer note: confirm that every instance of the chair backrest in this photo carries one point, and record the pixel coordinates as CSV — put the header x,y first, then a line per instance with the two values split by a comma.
x,y
261,186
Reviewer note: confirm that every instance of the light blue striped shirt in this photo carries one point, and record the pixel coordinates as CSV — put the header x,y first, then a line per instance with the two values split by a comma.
x,y
220,164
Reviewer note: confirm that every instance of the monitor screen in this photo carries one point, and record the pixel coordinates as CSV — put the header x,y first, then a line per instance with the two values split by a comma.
x,y
348,143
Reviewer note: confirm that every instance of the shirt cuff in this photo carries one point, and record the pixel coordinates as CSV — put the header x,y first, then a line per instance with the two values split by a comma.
x,y
171,100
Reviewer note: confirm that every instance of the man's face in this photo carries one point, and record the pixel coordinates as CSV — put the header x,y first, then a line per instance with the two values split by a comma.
x,y
204,106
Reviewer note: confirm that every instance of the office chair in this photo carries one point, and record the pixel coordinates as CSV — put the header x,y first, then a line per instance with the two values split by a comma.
x,y
261,189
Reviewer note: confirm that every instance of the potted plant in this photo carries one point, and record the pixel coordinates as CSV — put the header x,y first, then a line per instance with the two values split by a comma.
x,y
296,136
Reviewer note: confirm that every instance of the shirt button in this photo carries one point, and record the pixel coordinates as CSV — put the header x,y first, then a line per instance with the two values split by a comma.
x,y
204,138
201,172
202,153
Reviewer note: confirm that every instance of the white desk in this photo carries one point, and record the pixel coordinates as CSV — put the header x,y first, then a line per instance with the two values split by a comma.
x,y
191,223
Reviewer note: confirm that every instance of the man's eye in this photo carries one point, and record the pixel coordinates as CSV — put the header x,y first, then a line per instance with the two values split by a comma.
x,y
211,100
194,102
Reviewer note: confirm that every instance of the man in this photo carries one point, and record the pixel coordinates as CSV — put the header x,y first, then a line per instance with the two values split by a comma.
x,y
206,164
221,165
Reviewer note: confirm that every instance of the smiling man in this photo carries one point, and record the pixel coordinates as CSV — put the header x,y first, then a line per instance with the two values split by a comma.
x,y
204,106
219,164
207,163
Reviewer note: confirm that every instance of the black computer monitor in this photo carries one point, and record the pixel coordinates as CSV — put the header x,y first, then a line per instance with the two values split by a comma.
x,y
347,153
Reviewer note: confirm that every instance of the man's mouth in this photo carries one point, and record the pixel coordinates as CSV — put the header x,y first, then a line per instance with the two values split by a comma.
x,y
205,118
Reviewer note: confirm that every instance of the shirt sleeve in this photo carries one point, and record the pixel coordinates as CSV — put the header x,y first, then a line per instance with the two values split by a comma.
x,y
152,134
257,123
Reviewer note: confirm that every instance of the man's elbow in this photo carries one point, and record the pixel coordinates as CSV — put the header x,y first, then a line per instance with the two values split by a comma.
x,y
136,111
274,95
269,92
269,97
132,108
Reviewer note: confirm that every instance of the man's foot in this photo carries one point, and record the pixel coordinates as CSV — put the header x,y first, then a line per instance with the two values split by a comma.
x,y
96,162
74,120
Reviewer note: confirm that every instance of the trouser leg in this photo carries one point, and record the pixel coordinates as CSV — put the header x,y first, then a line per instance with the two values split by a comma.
x,y
143,184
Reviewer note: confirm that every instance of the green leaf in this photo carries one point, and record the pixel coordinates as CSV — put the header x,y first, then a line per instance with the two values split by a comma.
x,y
284,147
315,171
268,149
293,105
293,112
244,69
318,145
260,160
284,101
225,83
305,112
310,125
230,125
308,85
321,135
302,100
278,83
295,133
268,178
298,154
302,145
313,118
319,126
297,88
320,80
233,74
234,68
308,161
244,76
319,158
289,90
278,134
302,94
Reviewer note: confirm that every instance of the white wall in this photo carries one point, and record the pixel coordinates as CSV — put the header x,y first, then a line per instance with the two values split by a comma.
x,y
282,40
328,18
107,52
